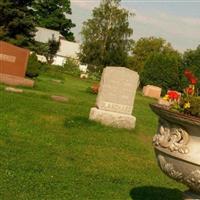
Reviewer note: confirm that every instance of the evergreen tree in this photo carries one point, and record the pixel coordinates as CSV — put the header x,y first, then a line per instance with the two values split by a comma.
x,y
52,14
106,35
16,22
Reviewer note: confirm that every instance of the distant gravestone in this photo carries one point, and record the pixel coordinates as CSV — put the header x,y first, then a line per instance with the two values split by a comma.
x,y
116,96
60,98
15,90
152,91
13,63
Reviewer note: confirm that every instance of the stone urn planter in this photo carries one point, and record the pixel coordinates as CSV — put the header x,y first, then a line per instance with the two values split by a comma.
x,y
177,148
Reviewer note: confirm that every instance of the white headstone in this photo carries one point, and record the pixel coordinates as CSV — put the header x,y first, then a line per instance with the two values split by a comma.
x,y
116,97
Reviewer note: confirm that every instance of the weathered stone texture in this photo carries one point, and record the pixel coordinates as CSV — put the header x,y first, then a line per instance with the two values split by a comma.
x,y
115,100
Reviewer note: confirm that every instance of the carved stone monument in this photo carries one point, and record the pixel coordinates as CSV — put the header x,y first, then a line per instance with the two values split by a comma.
x,y
13,62
115,99
177,147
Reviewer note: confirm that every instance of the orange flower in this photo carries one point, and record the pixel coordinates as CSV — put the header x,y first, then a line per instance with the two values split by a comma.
x,y
95,88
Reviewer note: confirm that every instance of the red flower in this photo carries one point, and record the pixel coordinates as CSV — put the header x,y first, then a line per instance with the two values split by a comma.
x,y
188,73
189,90
191,78
173,95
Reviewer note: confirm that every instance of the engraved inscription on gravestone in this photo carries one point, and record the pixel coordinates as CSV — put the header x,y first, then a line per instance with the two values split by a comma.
x,y
13,59
117,90
7,58
13,64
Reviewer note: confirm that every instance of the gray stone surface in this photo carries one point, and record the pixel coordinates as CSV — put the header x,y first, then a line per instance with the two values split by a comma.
x,y
113,119
115,100
117,90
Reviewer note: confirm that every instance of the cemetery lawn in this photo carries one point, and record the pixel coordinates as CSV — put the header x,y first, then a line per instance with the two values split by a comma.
x,y
51,151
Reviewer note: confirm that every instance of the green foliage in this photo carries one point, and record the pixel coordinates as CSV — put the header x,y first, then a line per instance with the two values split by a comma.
x,y
194,106
191,61
163,69
53,47
95,76
16,22
106,35
33,67
48,50
143,48
53,15
71,66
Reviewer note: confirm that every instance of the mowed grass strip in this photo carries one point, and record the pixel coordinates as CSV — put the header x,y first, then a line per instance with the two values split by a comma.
x,y
50,150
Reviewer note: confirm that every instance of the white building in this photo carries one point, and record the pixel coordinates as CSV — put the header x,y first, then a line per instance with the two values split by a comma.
x,y
66,50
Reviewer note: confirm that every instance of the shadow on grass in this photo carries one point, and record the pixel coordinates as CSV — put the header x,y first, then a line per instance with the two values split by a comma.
x,y
155,193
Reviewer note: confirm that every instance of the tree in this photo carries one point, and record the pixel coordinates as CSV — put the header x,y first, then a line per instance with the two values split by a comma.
x,y
16,22
191,60
143,48
163,69
106,35
52,14
48,50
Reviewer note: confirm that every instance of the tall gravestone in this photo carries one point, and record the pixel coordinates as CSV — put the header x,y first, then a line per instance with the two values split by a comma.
x,y
115,100
13,63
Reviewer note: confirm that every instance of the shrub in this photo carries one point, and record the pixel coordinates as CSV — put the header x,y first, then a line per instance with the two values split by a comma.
x,y
33,67
163,70
71,66
95,76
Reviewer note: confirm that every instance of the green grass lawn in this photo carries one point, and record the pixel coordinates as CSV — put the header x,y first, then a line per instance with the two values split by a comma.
x,y
50,150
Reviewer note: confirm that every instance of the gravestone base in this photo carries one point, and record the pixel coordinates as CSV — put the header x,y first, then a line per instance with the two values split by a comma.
x,y
15,80
113,119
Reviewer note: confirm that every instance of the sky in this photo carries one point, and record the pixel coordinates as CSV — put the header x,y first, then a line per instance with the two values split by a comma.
x,y
177,21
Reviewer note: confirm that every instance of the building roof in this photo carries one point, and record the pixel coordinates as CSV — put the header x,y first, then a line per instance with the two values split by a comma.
x,y
44,34
68,49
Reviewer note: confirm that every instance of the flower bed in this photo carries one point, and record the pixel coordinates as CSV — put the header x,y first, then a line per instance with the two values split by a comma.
x,y
187,102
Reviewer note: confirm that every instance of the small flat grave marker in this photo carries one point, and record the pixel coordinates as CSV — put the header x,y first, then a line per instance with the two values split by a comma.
x,y
59,98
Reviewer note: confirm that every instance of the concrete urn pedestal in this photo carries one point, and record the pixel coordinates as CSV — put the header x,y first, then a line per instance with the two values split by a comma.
x,y
177,148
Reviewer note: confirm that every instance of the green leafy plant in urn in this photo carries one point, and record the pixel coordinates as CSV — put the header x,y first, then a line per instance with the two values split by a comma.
x,y
177,141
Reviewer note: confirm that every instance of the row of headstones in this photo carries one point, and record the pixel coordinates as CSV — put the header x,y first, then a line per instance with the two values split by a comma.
x,y
116,95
